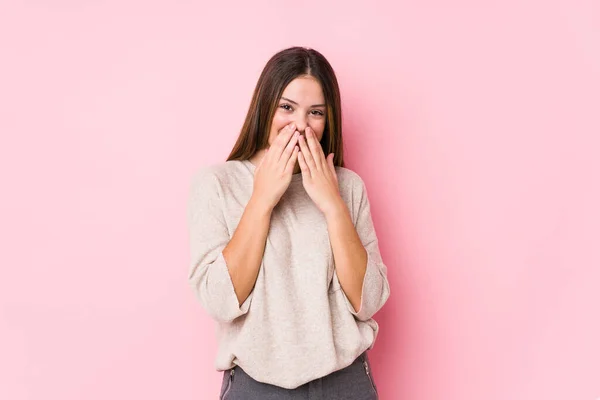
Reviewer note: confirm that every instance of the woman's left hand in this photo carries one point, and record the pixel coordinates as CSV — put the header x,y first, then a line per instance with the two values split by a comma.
x,y
318,173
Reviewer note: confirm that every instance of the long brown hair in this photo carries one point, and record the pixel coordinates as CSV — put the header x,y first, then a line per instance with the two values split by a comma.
x,y
280,70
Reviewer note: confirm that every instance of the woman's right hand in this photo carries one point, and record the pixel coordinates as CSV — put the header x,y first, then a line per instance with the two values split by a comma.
x,y
274,173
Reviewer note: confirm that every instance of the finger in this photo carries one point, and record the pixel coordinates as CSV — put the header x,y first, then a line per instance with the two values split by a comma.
x,y
332,166
330,162
315,148
283,139
289,168
280,141
263,157
261,161
303,166
308,159
289,149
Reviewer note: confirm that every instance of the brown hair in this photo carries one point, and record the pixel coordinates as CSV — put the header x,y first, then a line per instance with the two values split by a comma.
x,y
279,71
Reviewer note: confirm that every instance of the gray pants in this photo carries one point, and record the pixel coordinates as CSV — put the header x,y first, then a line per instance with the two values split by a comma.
x,y
355,382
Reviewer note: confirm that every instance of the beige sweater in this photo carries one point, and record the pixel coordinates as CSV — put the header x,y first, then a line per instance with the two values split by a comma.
x,y
297,323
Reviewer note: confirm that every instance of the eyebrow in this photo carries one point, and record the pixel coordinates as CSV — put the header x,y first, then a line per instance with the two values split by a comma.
x,y
292,101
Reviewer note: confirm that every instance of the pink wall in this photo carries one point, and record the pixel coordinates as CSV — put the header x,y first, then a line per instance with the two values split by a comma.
x,y
475,125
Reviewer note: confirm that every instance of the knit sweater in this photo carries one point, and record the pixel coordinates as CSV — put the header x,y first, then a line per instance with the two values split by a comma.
x,y
297,324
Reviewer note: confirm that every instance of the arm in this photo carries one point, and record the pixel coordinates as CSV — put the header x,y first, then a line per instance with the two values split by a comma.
x,y
359,267
223,270
349,254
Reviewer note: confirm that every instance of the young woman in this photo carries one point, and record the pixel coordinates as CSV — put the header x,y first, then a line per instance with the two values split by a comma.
x,y
284,255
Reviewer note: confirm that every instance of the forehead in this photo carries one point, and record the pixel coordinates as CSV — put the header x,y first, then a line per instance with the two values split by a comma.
x,y
304,89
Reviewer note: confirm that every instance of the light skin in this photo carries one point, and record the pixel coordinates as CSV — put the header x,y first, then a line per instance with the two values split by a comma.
x,y
297,128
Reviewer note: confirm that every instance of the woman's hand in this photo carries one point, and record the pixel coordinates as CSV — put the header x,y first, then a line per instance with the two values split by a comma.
x,y
274,172
318,174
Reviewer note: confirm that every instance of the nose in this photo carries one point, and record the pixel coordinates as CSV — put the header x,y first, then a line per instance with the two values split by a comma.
x,y
301,124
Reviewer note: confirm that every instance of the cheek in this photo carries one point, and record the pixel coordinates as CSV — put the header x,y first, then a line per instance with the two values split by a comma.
x,y
318,128
279,122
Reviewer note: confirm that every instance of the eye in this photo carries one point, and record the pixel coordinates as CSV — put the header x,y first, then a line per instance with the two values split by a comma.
x,y
286,105
318,112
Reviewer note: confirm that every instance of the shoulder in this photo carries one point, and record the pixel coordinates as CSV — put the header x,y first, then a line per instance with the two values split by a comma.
x,y
353,191
215,181
220,172
349,180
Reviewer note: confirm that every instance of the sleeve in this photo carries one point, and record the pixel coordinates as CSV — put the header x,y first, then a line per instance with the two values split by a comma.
x,y
208,234
376,288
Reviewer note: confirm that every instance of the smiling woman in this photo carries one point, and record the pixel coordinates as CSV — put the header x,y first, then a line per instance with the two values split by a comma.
x,y
284,254
302,112
297,85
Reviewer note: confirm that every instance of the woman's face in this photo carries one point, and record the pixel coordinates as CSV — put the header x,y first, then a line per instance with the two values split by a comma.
x,y
302,102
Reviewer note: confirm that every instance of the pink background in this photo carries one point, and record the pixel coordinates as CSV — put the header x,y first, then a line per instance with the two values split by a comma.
x,y
475,125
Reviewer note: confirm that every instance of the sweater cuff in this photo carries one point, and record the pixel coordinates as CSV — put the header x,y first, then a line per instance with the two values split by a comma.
x,y
374,293
219,294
